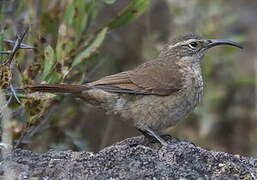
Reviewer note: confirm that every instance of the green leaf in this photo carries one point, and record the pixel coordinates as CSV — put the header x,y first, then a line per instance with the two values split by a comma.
x,y
69,14
53,78
73,24
92,48
49,62
135,9
81,17
92,8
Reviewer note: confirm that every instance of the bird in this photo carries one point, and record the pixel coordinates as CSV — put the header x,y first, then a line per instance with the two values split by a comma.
x,y
155,95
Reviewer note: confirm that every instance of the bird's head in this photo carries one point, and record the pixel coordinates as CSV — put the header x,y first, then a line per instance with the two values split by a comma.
x,y
193,46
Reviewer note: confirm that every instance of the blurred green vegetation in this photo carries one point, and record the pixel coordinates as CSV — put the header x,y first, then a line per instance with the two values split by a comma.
x,y
81,40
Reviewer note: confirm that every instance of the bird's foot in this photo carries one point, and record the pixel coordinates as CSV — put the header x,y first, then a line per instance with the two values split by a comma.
x,y
153,136
188,142
162,139
167,137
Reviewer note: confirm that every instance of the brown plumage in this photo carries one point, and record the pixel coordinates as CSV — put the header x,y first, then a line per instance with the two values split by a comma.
x,y
154,77
56,88
154,95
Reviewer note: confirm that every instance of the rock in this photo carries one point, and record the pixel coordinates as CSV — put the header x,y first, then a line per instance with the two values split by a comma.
x,y
133,158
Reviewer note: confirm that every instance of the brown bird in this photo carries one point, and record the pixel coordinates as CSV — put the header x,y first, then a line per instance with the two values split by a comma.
x,y
155,95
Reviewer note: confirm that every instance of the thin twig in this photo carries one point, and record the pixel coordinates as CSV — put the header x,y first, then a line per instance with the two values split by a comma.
x,y
5,52
22,46
16,46
14,93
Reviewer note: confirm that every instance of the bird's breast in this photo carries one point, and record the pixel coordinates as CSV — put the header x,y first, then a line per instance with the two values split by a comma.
x,y
197,83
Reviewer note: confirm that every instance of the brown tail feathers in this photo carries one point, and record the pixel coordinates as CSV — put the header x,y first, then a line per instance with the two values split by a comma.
x,y
56,88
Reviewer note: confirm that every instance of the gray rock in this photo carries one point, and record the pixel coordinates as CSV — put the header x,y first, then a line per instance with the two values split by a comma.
x,y
133,158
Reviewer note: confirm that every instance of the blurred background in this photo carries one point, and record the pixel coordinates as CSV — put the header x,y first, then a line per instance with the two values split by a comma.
x,y
82,40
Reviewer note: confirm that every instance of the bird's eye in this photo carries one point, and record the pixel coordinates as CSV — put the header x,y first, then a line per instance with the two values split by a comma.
x,y
193,44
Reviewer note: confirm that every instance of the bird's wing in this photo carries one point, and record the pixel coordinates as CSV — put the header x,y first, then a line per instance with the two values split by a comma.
x,y
154,77
119,83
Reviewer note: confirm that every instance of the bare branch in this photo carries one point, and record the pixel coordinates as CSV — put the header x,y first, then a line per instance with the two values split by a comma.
x,y
22,46
16,46
5,52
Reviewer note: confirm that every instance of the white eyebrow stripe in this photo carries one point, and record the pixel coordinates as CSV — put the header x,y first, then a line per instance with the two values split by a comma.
x,y
183,43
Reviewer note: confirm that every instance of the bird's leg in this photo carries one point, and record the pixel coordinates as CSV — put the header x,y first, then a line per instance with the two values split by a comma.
x,y
149,133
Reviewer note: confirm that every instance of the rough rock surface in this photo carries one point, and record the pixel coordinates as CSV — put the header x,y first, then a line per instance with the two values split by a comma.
x,y
133,158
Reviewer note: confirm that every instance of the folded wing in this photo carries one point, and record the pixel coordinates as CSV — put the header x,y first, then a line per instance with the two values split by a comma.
x,y
155,77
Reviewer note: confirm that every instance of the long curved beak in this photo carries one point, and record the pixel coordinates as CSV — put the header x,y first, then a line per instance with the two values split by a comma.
x,y
216,42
